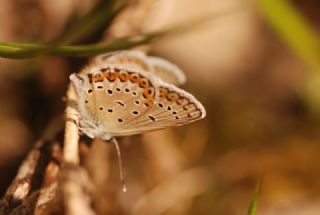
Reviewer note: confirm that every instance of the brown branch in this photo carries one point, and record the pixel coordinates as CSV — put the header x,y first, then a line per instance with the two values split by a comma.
x,y
38,172
36,181
76,190
71,135
75,180
38,201
21,185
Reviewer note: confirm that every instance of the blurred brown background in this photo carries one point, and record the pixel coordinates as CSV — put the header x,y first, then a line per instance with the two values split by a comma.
x,y
258,124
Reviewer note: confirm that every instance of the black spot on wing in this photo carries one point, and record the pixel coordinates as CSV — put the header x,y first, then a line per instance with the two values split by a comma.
x,y
152,118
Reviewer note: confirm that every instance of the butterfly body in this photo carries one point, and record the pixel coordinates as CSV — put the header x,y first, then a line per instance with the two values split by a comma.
x,y
119,100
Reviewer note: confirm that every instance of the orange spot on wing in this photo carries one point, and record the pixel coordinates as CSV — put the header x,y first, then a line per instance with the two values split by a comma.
x,y
134,78
112,76
148,93
143,83
106,74
123,77
97,78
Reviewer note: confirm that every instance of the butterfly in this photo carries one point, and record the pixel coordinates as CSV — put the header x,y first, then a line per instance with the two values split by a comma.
x,y
127,92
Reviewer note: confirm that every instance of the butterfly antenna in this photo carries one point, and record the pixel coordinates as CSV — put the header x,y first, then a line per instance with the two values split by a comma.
x,y
123,183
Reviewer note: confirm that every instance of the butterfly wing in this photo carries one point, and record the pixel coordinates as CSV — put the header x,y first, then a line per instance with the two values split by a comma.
x,y
171,107
162,68
167,71
131,59
122,101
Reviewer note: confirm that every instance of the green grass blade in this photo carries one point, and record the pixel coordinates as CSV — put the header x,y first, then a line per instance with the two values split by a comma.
x,y
17,50
293,29
254,203
99,17
9,50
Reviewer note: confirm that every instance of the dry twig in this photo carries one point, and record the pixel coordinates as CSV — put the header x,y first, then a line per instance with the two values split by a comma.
x,y
75,181
35,184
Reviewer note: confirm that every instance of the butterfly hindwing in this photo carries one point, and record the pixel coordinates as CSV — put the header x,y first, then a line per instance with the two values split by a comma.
x,y
167,71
